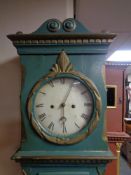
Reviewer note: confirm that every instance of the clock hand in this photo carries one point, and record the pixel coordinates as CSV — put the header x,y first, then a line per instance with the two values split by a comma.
x,y
62,105
63,120
67,94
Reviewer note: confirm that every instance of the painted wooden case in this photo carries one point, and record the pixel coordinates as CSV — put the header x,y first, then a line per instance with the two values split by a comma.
x,y
63,49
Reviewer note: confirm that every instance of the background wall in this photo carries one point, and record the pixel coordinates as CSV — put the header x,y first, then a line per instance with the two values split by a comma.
x,y
25,16
107,16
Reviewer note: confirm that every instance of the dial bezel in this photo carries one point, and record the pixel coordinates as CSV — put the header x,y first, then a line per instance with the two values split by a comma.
x,y
76,137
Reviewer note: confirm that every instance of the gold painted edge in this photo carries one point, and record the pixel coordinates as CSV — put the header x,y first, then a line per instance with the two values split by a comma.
x,y
63,41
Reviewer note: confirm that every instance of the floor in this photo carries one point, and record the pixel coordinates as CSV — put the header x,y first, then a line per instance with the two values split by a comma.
x,y
125,168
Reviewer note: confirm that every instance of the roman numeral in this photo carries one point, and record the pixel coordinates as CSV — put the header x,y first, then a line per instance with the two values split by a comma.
x,y
39,105
42,93
64,129
62,80
42,117
88,104
84,116
51,126
77,125
84,92
51,83
76,83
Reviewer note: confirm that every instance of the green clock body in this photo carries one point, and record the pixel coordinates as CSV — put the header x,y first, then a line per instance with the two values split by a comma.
x,y
63,99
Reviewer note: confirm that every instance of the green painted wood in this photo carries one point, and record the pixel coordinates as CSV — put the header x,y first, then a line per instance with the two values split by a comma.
x,y
67,24
84,154
68,173
64,171
38,52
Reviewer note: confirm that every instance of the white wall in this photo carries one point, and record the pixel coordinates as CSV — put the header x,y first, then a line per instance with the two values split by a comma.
x,y
25,16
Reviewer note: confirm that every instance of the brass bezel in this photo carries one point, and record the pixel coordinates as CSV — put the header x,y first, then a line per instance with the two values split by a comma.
x,y
63,65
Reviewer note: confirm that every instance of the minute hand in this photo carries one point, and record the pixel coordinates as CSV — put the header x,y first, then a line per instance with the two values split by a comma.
x,y
67,94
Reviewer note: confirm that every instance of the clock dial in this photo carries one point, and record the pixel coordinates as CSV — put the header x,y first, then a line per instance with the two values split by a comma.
x,y
63,106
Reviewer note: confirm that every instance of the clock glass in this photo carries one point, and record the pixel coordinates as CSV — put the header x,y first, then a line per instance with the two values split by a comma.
x,y
63,106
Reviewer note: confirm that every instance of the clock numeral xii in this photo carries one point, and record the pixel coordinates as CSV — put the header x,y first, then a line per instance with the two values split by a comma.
x,y
62,80
51,83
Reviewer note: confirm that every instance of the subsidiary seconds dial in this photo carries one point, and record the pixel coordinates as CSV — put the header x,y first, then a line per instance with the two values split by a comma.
x,y
63,107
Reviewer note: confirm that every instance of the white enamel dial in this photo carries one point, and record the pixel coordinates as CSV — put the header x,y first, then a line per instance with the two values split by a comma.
x,y
63,106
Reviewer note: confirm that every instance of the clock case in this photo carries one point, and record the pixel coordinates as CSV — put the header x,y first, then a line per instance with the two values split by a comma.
x,y
38,52
64,69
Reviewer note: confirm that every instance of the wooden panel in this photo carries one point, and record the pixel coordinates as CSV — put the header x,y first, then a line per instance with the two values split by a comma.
x,y
111,168
114,76
113,139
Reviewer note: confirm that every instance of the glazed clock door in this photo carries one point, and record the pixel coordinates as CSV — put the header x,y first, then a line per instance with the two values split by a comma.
x,y
61,107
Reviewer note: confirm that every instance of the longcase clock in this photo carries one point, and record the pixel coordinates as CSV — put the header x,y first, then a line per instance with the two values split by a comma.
x,y
63,100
